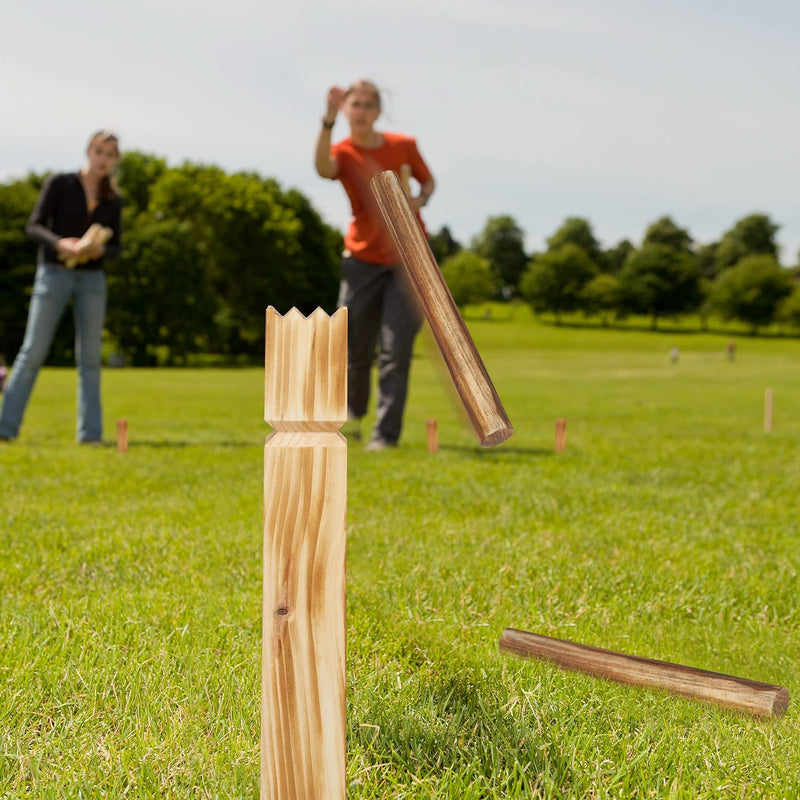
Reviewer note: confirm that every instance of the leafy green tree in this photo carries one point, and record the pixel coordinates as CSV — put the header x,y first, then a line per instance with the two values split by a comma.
x,y
601,295
138,172
614,257
789,309
751,235
578,231
706,255
752,290
665,231
17,261
556,279
502,244
204,253
443,245
316,263
468,277
660,281
161,302
263,247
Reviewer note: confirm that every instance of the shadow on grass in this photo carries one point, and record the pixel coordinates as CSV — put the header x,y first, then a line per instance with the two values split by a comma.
x,y
500,453
173,443
464,723
667,327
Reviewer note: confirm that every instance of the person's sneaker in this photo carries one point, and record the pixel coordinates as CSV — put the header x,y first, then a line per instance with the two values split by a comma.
x,y
376,444
352,429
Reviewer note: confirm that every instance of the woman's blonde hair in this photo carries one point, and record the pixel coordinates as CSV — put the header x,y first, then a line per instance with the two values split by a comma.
x,y
108,186
367,86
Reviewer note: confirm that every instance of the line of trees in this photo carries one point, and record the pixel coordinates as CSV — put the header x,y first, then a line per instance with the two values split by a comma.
x,y
204,251
668,275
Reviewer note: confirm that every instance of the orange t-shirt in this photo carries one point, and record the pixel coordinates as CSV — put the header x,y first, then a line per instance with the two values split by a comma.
x,y
367,237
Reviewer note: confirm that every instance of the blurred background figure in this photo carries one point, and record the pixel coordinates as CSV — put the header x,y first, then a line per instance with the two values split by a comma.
x,y
70,267
382,313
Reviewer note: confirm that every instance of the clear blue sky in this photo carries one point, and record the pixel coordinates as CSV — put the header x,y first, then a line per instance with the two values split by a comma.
x,y
619,111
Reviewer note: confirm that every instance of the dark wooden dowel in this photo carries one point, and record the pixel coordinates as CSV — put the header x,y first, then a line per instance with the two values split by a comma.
x,y
472,382
761,699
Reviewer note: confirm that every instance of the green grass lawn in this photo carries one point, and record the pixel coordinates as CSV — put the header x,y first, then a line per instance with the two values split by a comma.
x,y
130,584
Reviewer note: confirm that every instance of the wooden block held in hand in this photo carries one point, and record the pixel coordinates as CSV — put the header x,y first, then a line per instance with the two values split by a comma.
x,y
95,235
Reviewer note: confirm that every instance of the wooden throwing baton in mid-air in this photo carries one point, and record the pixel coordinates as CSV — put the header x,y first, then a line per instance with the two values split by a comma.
x,y
472,382
760,699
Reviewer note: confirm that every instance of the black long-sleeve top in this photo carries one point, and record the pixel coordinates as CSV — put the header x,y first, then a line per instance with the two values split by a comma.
x,y
61,211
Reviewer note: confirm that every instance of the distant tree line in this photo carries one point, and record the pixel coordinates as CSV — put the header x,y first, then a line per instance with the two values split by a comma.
x,y
205,251
668,275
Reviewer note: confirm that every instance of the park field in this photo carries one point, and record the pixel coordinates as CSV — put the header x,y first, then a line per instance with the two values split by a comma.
x,y
130,584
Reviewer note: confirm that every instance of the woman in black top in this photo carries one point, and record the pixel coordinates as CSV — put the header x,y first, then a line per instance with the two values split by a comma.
x,y
70,209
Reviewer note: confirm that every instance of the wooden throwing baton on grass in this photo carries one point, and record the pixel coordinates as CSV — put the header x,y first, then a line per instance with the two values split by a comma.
x,y
472,382
760,699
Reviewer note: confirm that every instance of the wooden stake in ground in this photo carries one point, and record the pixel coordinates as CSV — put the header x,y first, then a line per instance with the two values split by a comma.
x,y
472,382
761,699
122,435
433,436
768,411
561,435
303,711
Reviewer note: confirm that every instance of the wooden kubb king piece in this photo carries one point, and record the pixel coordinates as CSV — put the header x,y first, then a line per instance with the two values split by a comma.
x,y
303,715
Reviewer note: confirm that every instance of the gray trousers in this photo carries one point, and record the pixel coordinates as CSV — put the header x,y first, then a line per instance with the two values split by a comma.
x,y
382,317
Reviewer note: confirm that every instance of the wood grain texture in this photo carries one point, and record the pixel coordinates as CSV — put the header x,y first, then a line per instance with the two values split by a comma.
x,y
753,697
303,712
472,382
305,381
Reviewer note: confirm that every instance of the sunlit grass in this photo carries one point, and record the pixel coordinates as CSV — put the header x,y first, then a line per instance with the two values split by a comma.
x,y
130,584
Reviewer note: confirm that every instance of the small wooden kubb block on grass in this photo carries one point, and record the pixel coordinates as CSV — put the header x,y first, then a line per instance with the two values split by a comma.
x,y
303,712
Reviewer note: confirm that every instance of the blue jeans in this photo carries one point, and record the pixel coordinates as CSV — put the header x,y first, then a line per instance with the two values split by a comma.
x,y
53,288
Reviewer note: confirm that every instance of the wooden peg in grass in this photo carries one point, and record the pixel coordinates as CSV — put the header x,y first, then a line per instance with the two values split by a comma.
x,y
768,411
122,435
433,436
753,697
561,435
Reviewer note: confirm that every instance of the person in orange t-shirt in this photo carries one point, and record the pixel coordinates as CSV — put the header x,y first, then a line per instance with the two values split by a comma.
x,y
381,311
